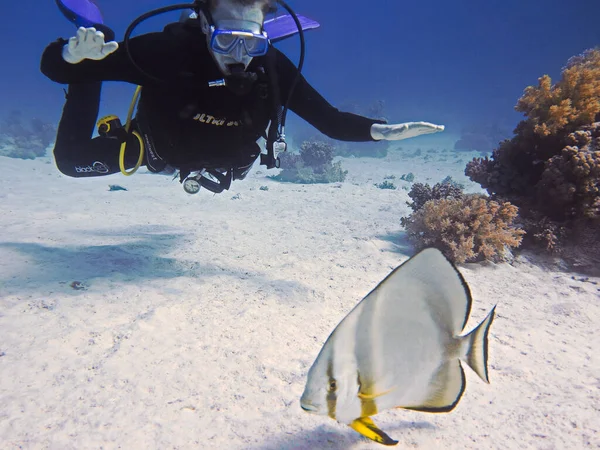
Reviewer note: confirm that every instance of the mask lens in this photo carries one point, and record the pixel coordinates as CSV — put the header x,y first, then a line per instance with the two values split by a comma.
x,y
224,41
256,46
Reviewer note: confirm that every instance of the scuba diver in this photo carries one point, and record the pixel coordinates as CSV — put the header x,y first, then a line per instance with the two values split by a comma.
x,y
209,87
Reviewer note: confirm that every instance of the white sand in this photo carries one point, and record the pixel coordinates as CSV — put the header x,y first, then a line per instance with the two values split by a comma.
x,y
202,314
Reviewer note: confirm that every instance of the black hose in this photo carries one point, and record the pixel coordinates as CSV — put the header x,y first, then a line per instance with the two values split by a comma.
x,y
196,6
139,20
300,63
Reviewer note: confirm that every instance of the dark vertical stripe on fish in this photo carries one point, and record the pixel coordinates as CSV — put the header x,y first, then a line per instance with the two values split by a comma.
x,y
331,393
368,407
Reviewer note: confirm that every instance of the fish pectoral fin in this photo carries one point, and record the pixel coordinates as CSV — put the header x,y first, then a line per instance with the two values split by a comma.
x,y
365,427
373,396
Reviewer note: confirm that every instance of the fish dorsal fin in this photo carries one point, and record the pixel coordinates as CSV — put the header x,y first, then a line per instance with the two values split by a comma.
x,y
430,276
446,389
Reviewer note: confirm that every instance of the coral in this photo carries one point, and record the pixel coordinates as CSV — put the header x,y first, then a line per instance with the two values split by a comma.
x,y
410,177
571,181
385,185
543,232
571,102
289,160
421,193
26,142
449,180
312,165
316,154
469,228
550,165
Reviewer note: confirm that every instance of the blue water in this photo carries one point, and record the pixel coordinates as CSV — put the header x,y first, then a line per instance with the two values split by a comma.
x,y
453,62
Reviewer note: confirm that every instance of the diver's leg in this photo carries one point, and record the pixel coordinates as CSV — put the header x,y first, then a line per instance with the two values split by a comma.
x,y
75,152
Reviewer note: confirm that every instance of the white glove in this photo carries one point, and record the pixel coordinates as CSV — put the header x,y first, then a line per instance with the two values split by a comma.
x,y
88,44
401,131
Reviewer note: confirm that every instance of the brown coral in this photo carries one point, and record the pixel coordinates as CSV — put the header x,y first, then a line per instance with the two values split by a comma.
x,y
571,102
421,193
469,228
546,167
571,181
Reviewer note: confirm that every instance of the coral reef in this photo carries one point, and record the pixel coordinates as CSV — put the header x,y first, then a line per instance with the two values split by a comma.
x,y
550,165
570,103
469,228
570,181
465,227
314,164
550,168
24,141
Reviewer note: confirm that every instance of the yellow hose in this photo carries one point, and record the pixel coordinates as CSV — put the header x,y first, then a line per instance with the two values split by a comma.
x,y
134,100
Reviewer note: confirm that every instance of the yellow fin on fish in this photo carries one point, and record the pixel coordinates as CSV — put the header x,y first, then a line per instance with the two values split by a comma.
x,y
365,427
374,395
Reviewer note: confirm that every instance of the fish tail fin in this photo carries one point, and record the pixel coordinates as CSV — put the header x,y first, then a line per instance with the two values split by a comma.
x,y
477,347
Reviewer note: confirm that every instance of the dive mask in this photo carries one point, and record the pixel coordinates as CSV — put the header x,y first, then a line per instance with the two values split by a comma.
x,y
224,41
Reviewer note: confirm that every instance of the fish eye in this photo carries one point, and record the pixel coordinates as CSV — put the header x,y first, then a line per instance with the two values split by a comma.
x,y
332,385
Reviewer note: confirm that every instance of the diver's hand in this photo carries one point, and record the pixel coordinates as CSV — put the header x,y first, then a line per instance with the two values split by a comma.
x,y
397,132
88,44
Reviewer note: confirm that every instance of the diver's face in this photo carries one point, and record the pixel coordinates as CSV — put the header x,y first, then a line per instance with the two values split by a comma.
x,y
231,16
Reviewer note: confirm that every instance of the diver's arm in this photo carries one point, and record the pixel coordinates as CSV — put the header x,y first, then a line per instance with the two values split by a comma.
x,y
312,107
150,50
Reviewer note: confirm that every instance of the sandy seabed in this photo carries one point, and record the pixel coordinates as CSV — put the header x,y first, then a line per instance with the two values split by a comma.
x,y
153,319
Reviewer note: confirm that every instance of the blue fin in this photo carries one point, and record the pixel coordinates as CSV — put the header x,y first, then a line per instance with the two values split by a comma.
x,y
82,13
282,27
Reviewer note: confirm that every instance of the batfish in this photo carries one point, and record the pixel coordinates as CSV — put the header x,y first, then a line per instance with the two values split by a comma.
x,y
400,347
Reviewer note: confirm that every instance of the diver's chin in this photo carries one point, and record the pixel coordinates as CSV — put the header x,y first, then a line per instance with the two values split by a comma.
x,y
235,70
230,67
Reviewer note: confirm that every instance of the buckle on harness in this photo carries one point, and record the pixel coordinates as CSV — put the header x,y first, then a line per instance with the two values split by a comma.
x,y
111,127
213,180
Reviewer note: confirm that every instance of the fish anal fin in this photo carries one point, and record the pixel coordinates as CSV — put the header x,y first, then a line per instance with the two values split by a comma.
x,y
447,387
365,427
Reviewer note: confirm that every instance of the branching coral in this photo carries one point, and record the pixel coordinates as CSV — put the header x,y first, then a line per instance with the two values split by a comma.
x,y
571,102
312,165
550,165
421,193
316,154
571,180
468,228
289,160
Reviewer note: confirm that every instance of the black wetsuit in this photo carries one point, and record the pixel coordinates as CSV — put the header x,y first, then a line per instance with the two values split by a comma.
x,y
184,123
